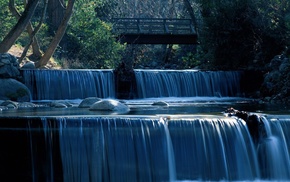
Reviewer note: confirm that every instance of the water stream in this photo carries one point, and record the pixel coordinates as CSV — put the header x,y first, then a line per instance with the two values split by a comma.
x,y
187,140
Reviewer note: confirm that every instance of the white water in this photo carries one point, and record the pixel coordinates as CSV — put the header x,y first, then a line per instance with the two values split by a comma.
x,y
69,84
170,149
79,84
170,152
274,149
146,149
187,83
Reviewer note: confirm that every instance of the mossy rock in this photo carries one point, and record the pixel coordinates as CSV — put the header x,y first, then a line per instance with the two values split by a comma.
x,y
14,90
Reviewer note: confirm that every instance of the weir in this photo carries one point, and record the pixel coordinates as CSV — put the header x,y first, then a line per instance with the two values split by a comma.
x,y
138,148
185,140
79,84
69,84
187,83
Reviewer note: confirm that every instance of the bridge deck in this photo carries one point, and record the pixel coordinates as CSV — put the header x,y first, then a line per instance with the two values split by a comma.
x,y
154,31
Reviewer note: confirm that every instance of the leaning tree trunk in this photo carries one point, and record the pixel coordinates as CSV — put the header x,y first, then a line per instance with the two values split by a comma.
x,y
35,46
58,36
20,26
55,12
191,14
33,33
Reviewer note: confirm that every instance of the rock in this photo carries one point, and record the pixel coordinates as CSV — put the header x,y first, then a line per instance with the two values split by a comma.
x,y
267,99
26,105
275,62
28,65
60,104
233,112
109,105
254,123
3,108
88,102
12,89
256,128
9,67
260,102
160,103
10,104
284,67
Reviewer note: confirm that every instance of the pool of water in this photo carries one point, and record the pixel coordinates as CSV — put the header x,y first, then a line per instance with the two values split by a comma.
x,y
176,106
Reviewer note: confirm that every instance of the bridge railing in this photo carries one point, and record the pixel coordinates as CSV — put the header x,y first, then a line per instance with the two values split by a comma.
x,y
152,26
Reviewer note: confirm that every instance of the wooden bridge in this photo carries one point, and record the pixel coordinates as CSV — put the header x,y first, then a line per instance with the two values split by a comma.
x,y
154,31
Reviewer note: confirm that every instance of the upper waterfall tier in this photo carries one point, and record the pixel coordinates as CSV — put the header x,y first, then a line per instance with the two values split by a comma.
x,y
79,84
187,83
69,84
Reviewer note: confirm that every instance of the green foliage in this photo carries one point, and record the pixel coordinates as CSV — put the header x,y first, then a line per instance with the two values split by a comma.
x,y
191,60
186,56
236,32
92,42
7,21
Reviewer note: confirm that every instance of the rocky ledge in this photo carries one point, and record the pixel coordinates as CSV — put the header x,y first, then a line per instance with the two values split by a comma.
x,y
11,87
91,103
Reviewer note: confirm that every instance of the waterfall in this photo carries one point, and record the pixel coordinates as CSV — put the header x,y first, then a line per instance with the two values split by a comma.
x,y
213,150
187,83
129,148
140,147
80,84
69,84
274,147
144,149
112,149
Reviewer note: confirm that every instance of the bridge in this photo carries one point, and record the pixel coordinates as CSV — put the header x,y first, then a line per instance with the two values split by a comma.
x,y
154,31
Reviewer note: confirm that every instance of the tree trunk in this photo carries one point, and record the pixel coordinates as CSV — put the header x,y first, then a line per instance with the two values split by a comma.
x,y
191,14
20,26
33,33
35,46
58,36
55,12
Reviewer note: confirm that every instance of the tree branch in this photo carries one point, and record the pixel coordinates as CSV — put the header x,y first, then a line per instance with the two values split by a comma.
x,y
20,26
58,36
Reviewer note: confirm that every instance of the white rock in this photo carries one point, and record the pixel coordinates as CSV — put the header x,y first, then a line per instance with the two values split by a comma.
x,y
109,105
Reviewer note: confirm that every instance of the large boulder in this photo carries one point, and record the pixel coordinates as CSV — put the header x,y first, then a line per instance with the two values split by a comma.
x,y
61,104
109,105
9,66
88,102
28,65
160,103
14,90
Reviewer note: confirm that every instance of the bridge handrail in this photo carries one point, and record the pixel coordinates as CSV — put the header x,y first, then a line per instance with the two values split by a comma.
x,y
152,26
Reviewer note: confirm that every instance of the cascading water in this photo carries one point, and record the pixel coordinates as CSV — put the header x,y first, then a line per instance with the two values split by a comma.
x,y
187,83
213,150
274,147
94,146
69,84
198,148
115,149
79,84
